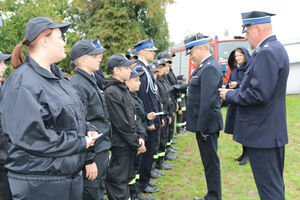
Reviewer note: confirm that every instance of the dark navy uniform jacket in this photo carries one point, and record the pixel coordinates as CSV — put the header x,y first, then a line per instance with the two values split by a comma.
x,y
99,75
94,102
203,109
147,92
44,119
261,112
236,74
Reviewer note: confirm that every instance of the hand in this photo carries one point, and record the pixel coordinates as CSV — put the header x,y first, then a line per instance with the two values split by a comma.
x,y
177,106
142,148
179,112
170,120
90,141
223,92
92,133
232,84
151,116
91,171
162,123
151,127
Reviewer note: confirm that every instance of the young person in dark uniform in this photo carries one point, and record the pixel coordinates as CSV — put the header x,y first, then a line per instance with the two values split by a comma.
x,y
87,57
174,105
4,186
128,139
147,93
237,62
260,123
155,172
163,88
133,85
203,111
181,100
44,119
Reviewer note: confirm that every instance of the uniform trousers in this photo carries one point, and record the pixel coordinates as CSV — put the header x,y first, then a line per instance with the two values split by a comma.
x,y
147,159
95,189
120,172
45,187
267,167
171,127
208,150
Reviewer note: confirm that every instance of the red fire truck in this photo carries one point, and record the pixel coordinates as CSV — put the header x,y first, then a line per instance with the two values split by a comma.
x,y
219,48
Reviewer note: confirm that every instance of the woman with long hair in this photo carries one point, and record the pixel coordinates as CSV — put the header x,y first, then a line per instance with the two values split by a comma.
x,y
44,119
237,62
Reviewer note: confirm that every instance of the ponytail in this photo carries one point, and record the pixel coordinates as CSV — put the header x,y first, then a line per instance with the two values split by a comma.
x,y
17,57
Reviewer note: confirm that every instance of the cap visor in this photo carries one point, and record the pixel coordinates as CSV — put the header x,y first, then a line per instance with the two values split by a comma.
x,y
151,48
133,75
96,51
5,57
63,27
127,63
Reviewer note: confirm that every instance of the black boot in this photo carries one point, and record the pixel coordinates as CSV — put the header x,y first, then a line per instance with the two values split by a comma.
x,y
246,158
241,156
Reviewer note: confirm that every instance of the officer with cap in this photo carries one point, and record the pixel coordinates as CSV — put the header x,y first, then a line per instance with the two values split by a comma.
x,y
4,186
147,93
99,75
87,57
203,111
261,113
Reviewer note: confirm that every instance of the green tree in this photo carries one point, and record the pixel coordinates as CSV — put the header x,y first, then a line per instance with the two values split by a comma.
x,y
119,24
16,13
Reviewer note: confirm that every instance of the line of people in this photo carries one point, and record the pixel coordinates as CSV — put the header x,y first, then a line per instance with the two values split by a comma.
x,y
57,134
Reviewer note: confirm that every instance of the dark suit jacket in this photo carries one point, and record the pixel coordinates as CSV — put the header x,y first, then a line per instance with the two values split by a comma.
x,y
261,112
203,109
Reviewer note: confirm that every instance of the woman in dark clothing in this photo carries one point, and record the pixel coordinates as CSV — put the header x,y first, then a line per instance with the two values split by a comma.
x,y
4,186
237,62
44,119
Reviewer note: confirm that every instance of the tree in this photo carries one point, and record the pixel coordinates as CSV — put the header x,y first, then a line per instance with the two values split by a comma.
x,y
16,13
119,24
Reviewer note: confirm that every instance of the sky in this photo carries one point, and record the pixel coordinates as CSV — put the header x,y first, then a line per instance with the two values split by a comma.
x,y
214,17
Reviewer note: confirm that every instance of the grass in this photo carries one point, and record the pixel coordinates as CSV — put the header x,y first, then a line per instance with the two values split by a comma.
x,y
186,180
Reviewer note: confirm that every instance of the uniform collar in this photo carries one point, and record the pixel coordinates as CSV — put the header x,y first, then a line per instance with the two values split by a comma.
x,y
144,62
204,60
56,73
264,41
86,75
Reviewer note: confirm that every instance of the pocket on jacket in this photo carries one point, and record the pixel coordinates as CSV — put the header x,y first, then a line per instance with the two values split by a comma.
x,y
194,80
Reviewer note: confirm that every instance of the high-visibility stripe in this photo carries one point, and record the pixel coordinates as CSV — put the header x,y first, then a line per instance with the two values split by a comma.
x,y
137,176
133,181
169,143
162,154
135,117
155,156
182,95
183,108
178,124
179,100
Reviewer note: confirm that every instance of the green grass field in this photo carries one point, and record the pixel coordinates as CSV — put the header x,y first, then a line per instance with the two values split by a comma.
x,y
187,180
